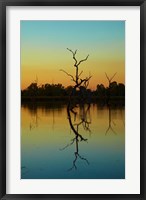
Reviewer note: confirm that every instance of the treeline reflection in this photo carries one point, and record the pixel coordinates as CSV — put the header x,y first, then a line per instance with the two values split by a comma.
x,y
79,119
49,106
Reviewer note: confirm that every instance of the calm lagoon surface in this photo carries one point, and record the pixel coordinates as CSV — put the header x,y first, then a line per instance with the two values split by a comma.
x,y
49,149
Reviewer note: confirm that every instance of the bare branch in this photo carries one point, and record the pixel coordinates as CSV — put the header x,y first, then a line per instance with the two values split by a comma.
x,y
113,131
82,60
78,124
86,125
80,73
110,79
109,124
74,162
113,76
77,155
82,158
74,53
68,145
86,83
107,130
107,77
68,74
110,128
84,80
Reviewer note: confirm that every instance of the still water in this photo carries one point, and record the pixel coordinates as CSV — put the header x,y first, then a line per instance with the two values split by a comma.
x,y
50,149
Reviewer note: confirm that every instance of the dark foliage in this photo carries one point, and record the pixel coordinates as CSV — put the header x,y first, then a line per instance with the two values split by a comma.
x,y
58,90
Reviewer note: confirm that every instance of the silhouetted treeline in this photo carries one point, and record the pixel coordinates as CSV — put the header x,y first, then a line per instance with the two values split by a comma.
x,y
58,90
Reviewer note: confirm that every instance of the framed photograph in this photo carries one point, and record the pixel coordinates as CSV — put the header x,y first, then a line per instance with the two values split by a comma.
x,y
72,99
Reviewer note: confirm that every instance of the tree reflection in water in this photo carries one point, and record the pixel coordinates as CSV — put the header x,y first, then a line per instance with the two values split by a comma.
x,y
85,122
110,122
77,155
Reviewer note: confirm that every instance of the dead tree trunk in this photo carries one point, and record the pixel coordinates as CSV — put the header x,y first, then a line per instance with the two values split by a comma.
x,y
78,81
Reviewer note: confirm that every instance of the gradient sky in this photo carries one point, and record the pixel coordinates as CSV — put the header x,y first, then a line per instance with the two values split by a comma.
x,y
44,51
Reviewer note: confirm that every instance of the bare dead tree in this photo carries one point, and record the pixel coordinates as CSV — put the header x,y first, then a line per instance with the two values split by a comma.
x,y
109,85
110,79
71,113
78,81
76,78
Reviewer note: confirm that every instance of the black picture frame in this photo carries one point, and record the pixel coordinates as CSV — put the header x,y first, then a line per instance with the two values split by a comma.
x,y
3,117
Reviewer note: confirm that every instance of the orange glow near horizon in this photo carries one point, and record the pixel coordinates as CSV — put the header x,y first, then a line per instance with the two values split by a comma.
x,y
55,76
44,51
